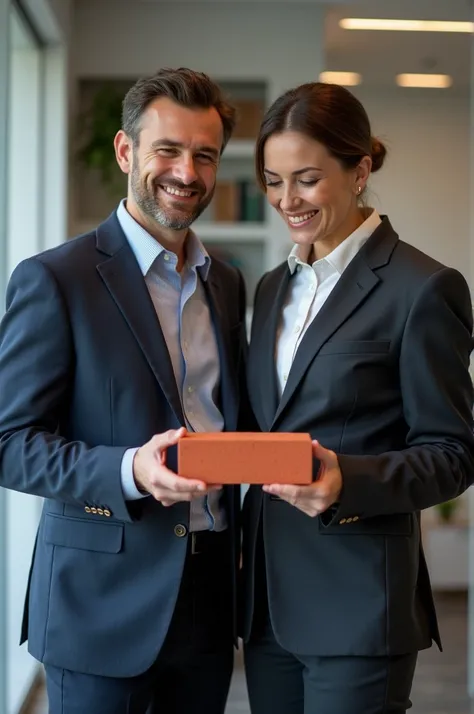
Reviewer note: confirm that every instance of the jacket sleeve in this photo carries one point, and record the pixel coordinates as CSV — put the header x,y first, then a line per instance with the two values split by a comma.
x,y
437,393
36,372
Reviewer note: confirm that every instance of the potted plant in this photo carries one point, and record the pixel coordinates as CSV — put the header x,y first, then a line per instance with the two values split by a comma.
x,y
97,126
447,510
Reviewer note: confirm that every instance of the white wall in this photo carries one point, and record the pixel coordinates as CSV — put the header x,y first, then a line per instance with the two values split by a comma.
x,y
228,40
424,185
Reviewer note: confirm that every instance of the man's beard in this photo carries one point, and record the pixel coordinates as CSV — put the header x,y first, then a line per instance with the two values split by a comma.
x,y
148,201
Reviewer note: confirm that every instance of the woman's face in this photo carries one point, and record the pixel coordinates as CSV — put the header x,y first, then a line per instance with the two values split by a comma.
x,y
314,194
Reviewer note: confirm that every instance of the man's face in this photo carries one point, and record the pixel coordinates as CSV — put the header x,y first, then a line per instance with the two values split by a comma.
x,y
174,164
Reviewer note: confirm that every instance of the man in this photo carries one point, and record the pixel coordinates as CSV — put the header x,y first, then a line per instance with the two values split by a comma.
x,y
112,345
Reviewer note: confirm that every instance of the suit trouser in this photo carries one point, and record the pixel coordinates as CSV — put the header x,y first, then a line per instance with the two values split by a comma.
x,y
282,682
194,667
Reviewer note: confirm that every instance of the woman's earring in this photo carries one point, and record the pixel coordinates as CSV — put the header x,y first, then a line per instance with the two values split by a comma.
x,y
359,190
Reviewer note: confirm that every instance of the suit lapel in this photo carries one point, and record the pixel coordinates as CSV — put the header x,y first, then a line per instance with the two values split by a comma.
x,y
229,391
353,288
124,280
264,334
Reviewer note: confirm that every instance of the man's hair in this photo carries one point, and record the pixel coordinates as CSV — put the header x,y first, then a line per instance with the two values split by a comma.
x,y
186,87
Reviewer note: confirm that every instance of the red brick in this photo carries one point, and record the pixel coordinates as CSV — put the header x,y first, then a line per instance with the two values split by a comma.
x,y
233,458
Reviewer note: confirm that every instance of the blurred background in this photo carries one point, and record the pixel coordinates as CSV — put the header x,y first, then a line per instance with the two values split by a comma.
x,y
64,66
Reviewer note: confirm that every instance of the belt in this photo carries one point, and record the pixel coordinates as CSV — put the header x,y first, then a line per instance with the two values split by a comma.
x,y
200,542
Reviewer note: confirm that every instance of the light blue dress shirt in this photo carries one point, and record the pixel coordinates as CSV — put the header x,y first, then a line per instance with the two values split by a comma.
x,y
181,306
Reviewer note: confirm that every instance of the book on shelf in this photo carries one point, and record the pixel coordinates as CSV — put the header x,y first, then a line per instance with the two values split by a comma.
x,y
249,115
238,201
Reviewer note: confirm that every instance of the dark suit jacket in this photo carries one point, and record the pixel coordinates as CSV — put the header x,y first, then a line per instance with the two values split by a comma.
x,y
380,377
85,374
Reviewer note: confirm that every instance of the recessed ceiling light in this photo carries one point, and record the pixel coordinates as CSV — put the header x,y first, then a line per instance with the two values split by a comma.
x,y
360,23
347,79
425,81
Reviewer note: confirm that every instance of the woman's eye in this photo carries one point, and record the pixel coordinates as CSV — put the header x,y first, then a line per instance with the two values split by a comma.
x,y
269,184
309,182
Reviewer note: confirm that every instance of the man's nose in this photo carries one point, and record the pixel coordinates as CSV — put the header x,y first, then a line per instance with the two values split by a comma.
x,y
185,171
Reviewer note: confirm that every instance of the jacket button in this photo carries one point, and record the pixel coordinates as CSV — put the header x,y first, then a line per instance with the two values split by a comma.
x,y
342,521
107,512
355,518
100,511
349,520
93,509
180,530
87,509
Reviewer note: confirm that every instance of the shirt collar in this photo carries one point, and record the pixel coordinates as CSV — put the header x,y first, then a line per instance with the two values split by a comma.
x,y
147,249
341,256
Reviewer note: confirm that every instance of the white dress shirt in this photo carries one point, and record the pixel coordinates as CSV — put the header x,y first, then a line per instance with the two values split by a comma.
x,y
309,289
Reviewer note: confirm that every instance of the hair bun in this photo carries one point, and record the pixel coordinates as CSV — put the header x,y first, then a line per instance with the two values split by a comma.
x,y
378,153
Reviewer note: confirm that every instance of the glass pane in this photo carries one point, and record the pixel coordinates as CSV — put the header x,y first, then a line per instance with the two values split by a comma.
x,y
23,240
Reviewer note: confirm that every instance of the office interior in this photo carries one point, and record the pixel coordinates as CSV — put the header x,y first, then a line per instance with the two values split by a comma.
x,y
63,63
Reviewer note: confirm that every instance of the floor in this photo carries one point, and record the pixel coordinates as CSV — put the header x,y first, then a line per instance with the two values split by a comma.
x,y
440,680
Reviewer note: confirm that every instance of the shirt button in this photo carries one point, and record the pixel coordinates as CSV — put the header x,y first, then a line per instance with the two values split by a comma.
x,y
185,345
285,377
190,389
297,329
167,256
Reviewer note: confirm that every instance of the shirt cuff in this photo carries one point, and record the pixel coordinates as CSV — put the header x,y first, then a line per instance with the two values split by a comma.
x,y
129,488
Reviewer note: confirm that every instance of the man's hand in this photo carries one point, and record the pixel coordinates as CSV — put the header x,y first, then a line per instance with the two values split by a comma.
x,y
151,475
318,497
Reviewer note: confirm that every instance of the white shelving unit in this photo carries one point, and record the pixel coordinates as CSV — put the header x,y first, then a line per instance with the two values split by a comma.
x,y
239,149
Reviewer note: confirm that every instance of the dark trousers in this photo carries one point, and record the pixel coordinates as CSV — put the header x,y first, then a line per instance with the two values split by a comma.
x,y
193,670
282,682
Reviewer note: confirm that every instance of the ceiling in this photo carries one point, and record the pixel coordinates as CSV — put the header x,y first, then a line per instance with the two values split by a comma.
x,y
379,56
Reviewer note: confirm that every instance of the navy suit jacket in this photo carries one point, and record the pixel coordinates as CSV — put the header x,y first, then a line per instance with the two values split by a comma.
x,y
84,375
381,378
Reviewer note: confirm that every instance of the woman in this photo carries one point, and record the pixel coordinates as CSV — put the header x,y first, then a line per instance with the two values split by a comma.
x,y
362,341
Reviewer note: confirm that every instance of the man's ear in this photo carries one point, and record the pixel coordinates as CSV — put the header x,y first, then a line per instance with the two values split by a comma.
x,y
123,151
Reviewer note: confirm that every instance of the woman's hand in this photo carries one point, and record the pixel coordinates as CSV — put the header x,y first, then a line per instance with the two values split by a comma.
x,y
322,494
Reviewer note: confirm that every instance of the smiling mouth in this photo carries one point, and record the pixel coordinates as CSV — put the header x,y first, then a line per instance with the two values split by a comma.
x,y
301,220
177,192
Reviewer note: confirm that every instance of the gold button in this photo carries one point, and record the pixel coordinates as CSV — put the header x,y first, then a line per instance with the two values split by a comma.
x,y
87,509
93,510
356,518
100,511
349,520
180,530
107,512
342,521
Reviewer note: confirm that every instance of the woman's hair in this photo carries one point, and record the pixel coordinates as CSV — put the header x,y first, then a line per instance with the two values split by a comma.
x,y
328,113
186,87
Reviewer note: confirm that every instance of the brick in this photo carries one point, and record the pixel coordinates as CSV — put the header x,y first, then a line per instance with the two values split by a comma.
x,y
234,458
